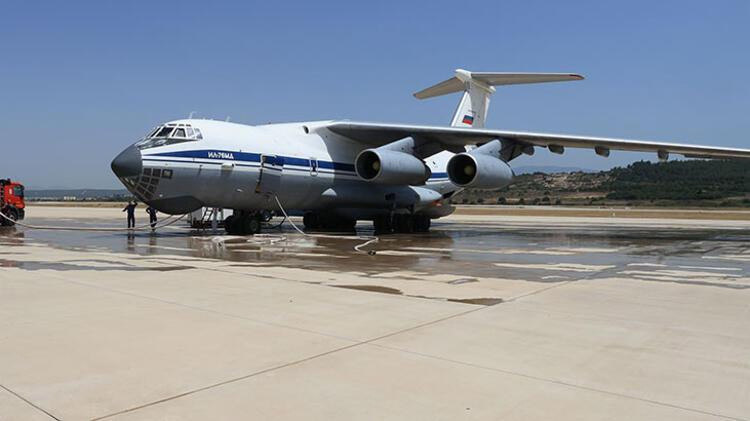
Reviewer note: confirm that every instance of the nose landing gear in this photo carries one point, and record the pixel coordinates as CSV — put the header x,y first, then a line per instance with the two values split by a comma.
x,y
244,223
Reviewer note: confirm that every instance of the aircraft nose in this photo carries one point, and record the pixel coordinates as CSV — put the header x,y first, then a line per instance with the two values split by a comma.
x,y
128,163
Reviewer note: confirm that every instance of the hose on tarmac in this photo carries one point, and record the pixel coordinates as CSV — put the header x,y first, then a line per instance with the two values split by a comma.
x,y
61,228
368,239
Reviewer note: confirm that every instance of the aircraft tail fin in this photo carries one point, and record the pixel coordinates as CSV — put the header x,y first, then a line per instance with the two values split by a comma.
x,y
478,87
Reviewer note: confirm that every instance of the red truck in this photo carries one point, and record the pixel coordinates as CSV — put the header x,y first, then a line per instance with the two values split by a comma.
x,y
11,201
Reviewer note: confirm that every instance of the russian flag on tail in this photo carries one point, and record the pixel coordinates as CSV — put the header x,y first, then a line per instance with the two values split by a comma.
x,y
468,120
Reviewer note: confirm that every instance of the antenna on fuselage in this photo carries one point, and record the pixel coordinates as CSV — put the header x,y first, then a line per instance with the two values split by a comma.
x,y
227,119
192,113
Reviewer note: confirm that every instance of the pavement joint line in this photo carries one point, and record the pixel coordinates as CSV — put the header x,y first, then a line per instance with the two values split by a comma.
x,y
32,404
354,344
289,364
541,290
208,310
602,274
202,309
559,382
161,260
166,261
593,276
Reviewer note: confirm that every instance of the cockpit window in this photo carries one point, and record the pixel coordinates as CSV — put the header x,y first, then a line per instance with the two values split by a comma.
x,y
18,191
164,132
169,134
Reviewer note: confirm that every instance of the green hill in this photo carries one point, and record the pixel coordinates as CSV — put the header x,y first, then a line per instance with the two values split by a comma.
x,y
694,183
681,180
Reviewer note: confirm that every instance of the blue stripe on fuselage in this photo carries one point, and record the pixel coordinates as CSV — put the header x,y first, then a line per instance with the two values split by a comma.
x,y
213,154
255,157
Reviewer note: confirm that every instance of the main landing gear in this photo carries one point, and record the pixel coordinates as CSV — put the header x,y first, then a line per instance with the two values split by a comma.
x,y
401,223
319,221
244,223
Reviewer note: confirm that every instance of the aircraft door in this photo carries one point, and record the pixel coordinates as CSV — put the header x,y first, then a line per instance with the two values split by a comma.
x,y
269,177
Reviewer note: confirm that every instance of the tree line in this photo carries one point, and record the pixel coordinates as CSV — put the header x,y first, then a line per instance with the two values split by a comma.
x,y
680,180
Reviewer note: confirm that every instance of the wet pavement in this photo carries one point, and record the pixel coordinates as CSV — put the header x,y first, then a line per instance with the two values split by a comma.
x,y
486,317
535,252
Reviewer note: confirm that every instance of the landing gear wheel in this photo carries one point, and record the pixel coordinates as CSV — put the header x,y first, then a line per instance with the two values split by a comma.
x,y
348,225
228,224
253,224
244,223
237,226
404,223
311,221
422,223
382,224
328,222
266,216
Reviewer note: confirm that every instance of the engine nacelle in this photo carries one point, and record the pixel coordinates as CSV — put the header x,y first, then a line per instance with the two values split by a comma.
x,y
478,170
385,166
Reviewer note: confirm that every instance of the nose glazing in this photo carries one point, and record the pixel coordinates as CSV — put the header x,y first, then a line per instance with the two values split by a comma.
x,y
128,163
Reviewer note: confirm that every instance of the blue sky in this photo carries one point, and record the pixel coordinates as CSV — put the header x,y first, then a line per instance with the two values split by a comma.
x,y
79,81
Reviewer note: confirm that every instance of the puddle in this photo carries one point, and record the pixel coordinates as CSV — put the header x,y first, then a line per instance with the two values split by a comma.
x,y
387,290
566,267
462,251
477,301
371,288
10,237
246,265
462,281
59,266
690,282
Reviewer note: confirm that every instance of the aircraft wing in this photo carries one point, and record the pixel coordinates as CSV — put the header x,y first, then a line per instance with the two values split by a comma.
x,y
454,138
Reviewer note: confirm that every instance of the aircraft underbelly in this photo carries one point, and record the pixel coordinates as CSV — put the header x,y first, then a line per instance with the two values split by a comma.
x,y
257,188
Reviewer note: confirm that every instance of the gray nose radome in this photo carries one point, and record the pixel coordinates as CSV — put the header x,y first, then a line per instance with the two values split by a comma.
x,y
128,163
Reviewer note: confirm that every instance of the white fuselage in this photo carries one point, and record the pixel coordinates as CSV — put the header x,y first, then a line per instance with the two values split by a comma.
x,y
245,167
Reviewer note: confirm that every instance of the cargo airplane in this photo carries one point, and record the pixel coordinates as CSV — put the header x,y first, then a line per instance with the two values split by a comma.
x,y
336,173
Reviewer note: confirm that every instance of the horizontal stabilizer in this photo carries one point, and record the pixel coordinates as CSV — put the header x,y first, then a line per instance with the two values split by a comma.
x,y
457,83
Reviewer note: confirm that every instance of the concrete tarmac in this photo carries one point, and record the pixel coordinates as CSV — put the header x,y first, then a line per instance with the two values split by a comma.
x,y
489,316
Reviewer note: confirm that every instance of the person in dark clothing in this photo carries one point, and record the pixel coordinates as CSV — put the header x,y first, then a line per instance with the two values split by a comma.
x,y
130,208
151,216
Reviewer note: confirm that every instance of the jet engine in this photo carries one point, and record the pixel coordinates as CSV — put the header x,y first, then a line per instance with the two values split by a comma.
x,y
391,164
480,168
